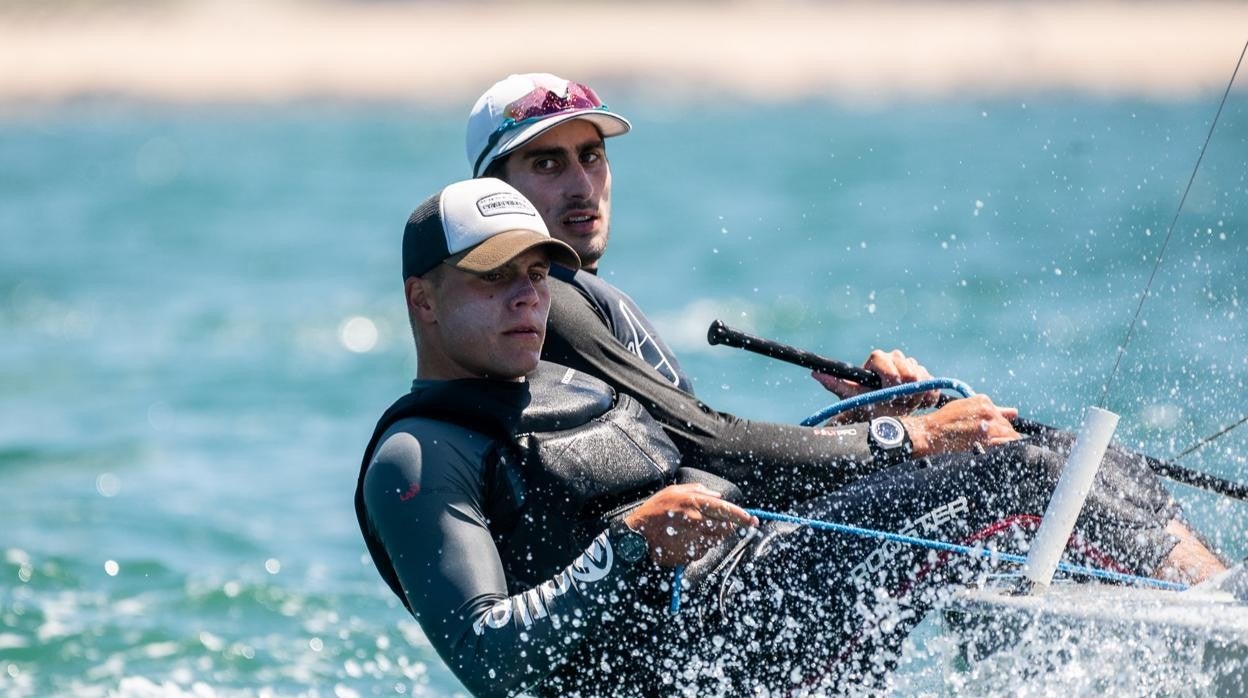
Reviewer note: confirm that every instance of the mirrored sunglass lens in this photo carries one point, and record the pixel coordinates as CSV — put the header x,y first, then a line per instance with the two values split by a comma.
x,y
584,94
543,102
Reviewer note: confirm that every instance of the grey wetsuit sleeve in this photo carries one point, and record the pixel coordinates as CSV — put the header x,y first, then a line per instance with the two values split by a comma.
x,y
738,449
423,498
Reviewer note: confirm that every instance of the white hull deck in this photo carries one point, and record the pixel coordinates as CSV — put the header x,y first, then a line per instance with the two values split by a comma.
x,y
1093,639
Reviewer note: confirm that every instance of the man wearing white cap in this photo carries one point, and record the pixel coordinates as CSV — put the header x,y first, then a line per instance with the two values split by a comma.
x,y
545,136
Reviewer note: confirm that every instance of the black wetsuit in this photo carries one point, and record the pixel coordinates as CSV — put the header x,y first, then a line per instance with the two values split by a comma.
x,y
591,328
484,504
621,317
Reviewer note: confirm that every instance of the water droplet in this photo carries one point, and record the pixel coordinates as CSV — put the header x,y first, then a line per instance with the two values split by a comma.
x,y
108,485
358,334
111,568
211,642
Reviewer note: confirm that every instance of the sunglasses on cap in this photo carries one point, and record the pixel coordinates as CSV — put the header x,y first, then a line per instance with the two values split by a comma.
x,y
539,104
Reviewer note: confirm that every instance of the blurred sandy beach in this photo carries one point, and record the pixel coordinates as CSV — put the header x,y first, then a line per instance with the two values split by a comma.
x,y
278,50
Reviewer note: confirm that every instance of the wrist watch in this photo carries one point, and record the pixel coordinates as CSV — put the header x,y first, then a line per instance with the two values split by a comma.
x,y
888,440
629,545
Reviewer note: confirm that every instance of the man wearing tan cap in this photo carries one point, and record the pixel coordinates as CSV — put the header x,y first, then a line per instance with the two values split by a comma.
x,y
511,506
530,517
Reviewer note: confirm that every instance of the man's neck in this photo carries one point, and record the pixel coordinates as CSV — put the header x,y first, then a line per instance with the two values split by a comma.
x,y
434,371
425,376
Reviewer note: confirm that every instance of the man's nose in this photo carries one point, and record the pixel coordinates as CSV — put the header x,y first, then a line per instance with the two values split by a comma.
x,y
580,184
524,291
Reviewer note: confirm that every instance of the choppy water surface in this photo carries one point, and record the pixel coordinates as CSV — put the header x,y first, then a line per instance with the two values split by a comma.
x,y
202,318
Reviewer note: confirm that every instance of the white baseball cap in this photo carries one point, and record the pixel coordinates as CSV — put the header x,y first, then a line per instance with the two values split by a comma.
x,y
476,225
518,108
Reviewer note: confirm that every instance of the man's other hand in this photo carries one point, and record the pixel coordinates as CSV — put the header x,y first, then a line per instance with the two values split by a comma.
x,y
682,522
960,426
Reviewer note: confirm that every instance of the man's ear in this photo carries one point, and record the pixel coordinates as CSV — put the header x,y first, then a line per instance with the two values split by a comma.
x,y
421,300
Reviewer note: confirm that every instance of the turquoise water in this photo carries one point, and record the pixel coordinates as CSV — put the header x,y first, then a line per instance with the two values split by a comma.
x,y
202,319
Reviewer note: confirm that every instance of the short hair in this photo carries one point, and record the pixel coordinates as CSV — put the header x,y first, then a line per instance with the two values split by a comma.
x,y
497,167
434,277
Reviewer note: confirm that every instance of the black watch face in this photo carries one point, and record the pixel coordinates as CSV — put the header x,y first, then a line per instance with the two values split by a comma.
x,y
631,546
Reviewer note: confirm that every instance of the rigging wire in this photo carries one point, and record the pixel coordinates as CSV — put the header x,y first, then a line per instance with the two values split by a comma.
x,y
678,576
1203,442
1122,348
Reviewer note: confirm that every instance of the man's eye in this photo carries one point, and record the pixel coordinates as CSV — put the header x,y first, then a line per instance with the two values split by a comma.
x,y
492,276
537,275
591,156
545,165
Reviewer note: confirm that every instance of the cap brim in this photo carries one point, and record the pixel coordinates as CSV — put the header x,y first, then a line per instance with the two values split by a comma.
x,y
506,246
608,124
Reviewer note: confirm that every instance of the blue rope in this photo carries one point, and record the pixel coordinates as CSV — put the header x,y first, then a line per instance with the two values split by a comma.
x,y
678,576
887,394
983,553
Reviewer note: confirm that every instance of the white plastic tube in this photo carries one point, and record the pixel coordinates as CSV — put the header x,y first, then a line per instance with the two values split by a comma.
x,y
1068,497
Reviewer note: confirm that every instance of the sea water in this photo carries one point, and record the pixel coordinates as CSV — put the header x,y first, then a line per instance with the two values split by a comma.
x,y
201,319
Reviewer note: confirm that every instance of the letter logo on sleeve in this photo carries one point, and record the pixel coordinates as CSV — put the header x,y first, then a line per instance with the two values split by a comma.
x,y
534,604
497,616
595,562
557,586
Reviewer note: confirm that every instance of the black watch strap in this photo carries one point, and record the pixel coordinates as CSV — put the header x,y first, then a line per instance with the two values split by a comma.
x,y
630,546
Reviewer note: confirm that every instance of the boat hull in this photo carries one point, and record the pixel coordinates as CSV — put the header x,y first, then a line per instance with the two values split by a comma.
x,y
1086,639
